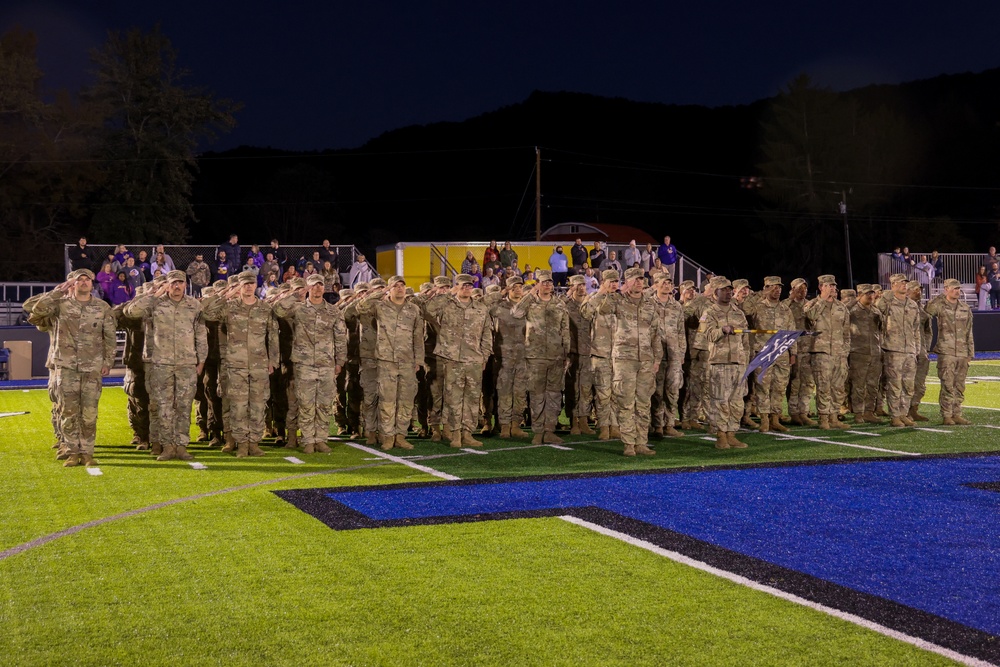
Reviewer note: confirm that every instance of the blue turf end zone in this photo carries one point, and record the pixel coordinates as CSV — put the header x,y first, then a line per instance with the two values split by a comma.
x,y
909,531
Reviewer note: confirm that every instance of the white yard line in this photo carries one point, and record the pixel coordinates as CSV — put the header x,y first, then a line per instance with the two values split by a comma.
x,y
874,435
965,405
826,441
930,430
397,459
749,583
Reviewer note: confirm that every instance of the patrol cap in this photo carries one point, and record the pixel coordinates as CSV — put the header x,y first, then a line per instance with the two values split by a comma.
x,y
176,276
740,283
492,289
426,286
84,272
719,282
543,276
772,280
409,291
687,284
247,278
609,274
663,278
464,279
577,280
877,287
298,282
477,293
634,272
218,284
376,282
346,292
442,281
514,280
827,279
952,282
205,291
865,288
233,279
845,293
897,278
396,279
797,282
315,279
912,284
362,286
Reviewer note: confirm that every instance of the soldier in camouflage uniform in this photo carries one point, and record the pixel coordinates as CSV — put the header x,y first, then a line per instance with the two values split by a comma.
x,y
915,291
900,343
84,353
727,353
602,336
637,353
346,421
769,313
400,351
368,366
547,345
319,351
955,349
488,407
512,376
284,407
251,356
865,362
580,377
664,405
433,389
880,297
135,374
696,379
801,384
464,342
353,372
231,289
176,346
47,325
830,347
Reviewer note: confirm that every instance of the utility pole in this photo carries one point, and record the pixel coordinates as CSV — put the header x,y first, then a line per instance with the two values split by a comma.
x,y
538,194
847,239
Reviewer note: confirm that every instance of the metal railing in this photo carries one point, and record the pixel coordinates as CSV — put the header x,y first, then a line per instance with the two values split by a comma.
x,y
13,295
962,266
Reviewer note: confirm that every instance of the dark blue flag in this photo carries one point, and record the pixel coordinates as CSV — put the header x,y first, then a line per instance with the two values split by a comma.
x,y
777,346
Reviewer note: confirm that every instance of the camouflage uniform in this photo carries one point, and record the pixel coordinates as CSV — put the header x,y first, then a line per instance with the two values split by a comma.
x,y
670,377
367,367
175,345
865,362
135,377
84,343
801,384
512,377
580,375
900,343
46,325
770,390
696,375
923,364
286,410
602,336
727,355
954,347
830,348
346,421
352,380
432,393
319,344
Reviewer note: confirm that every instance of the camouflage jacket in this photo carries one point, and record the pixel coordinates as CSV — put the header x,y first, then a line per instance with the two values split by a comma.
x,y
803,345
464,333
546,330
833,322
174,330
774,316
672,327
579,329
400,335
319,335
509,339
724,348
866,330
353,333
43,324
637,325
954,327
84,331
367,331
602,331
693,311
135,337
900,325
251,331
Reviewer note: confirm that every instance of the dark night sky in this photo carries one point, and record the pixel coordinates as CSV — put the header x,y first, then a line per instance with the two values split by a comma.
x,y
316,75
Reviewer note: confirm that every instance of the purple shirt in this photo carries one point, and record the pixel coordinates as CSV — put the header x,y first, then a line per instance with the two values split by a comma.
x,y
667,254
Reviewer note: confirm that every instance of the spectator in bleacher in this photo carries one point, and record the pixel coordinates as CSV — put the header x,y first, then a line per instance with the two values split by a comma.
x,y
559,264
222,269
361,272
133,274
82,257
160,264
648,255
110,259
142,261
528,273
270,266
121,291
908,262
270,283
331,282
631,257
467,263
994,276
668,257
290,273
309,269
578,253
168,263
105,278
121,254
590,280
597,255
937,261
231,252
328,253
991,258
200,275
508,257
279,255
612,263
258,256
491,256
489,278
982,288
925,275
251,267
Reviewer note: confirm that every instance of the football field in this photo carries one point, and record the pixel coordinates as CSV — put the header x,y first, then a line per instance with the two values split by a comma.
x,y
871,546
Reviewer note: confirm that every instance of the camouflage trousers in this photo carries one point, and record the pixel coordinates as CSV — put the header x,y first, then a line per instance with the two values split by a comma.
x,y
340,407
952,372
171,395
369,394
923,366
512,383
696,386
56,399
155,429
429,398
80,393
213,397
769,391
603,381
138,402
397,385
829,382
669,379
900,369
488,406
461,383
632,386
801,385
725,396
545,385
579,386
284,405
248,389
865,371
353,385
435,414
315,393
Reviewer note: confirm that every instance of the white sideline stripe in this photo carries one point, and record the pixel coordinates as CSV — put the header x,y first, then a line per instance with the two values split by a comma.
x,y
964,406
197,466
292,459
565,449
931,430
473,451
988,426
750,583
94,472
397,459
825,441
874,435
710,438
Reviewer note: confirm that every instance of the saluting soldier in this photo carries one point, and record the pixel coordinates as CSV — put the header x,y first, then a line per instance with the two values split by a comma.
x,y
955,349
135,373
696,380
770,313
580,377
664,405
368,366
48,325
801,383
727,355
915,291
433,393
602,336
865,362
830,347
900,343
508,346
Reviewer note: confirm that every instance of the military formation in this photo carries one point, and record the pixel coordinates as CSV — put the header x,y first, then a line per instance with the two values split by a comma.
x,y
638,362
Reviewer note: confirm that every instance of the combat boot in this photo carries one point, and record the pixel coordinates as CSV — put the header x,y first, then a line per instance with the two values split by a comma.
x,y
89,460
293,440
72,461
387,442
915,415
765,424
870,418
468,440
242,450
168,453
319,448
721,441
253,449
824,422
575,427
585,427
400,442
746,421
897,422
643,450
733,442
797,419
435,433
486,430
505,431
946,420
604,434
372,438
880,412
615,434
686,425
142,446
629,450
230,445
836,423
307,448
456,439
859,419
537,440
550,438
446,433
202,435
906,420
155,448
181,452
672,432
62,454
516,431
697,426
217,439
776,424
961,421
658,432
135,441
